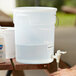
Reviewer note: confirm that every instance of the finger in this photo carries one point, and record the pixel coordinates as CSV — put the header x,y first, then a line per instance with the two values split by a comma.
x,y
60,72
59,69
74,67
55,73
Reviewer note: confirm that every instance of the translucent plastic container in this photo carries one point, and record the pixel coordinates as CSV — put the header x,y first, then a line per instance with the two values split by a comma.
x,y
2,47
9,41
34,34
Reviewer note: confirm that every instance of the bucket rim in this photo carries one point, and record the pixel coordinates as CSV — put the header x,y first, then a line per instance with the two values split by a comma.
x,y
34,9
7,28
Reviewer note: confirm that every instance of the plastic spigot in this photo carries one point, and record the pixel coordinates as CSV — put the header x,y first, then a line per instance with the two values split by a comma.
x,y
58,55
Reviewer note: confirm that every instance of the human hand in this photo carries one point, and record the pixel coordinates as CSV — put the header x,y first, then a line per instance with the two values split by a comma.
x,y
65,72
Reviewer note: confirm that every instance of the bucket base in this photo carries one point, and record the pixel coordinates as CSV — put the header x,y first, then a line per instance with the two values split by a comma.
x,y
46,61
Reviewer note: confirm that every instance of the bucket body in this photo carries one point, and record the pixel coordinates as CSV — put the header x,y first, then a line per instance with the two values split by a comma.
x,y
34,34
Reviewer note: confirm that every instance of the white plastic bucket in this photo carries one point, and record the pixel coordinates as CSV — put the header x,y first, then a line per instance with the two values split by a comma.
x,y
34,34
9,41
